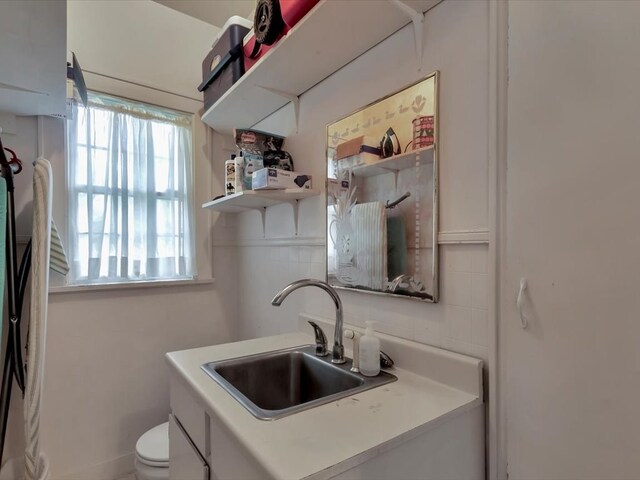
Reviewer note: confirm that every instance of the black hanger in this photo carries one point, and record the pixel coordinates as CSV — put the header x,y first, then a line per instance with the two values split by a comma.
x,y
16,282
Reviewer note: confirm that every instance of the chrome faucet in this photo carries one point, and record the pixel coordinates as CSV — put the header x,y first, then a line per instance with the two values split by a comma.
x,y
338,348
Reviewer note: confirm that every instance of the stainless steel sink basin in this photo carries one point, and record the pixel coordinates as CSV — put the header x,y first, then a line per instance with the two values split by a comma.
x,y
275,384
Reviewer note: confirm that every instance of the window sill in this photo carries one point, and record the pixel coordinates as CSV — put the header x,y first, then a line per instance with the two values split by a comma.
x,y
130,286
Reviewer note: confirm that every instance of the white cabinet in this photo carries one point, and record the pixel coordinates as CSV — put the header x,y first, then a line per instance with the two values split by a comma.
x,y
186,461
203,448
199,444
229,459
33,57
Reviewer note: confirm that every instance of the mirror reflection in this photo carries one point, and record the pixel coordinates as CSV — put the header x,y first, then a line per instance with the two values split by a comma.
x,y
382,195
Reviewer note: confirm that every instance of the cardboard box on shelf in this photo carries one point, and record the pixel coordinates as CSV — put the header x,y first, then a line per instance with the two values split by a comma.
x,y
358,145
356,160
276,179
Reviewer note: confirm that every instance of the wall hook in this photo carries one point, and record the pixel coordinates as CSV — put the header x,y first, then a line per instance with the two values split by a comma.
x,y
524,321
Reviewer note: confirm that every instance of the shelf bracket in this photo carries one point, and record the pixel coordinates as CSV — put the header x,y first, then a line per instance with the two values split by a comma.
x,y
417,18
294,205
263,215
295,99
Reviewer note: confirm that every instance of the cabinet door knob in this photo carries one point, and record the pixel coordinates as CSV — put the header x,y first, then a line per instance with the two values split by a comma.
x,y
524,321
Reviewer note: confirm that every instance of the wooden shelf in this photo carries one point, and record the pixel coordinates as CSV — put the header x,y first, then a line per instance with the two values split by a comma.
x,y
396,163
331,35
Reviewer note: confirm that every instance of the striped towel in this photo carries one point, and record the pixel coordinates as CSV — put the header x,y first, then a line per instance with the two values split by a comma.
x,y
59,261
369,222
36,462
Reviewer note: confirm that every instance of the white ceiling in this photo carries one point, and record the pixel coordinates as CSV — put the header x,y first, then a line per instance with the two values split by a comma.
x,y
215,12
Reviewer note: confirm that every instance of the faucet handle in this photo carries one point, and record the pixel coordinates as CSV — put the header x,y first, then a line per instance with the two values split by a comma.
x,y
321,340
385,360
355,336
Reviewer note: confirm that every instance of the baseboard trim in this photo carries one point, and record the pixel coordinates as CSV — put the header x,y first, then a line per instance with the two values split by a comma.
x,y
109,470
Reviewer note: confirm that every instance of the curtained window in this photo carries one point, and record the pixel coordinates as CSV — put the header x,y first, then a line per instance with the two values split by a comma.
x,y
129,193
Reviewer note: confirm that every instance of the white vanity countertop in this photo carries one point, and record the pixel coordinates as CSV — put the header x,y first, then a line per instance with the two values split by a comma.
x,y
327,440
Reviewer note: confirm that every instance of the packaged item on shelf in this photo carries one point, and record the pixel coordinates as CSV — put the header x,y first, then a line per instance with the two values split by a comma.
x,y
364,158
239,180
423,131
273,19
224,65
277,158
335,187
363,143
361,150
260,150
252,163
257,141
277,179
230,175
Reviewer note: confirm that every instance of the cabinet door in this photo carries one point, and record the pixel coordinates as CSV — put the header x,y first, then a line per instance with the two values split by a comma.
x,y
572,226
185,463
229,459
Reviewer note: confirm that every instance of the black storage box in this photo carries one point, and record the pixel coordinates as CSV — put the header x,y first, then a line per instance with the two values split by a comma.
x,y
224,65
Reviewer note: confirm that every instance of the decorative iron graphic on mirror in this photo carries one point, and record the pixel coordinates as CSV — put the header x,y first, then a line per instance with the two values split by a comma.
x,y
382,195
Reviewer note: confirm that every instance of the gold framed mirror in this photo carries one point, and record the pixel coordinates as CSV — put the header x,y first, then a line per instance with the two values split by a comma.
x,y
382,195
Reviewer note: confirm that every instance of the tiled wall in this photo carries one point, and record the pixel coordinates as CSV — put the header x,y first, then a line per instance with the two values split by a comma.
x,y
458,322
455,44
465,296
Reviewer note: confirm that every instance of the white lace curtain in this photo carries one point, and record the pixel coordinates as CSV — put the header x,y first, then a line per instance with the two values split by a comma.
x,y
130,186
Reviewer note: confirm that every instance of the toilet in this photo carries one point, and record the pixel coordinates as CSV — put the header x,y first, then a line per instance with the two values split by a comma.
x,y
152,454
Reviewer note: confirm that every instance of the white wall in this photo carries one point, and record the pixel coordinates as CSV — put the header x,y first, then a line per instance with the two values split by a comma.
x,y
142,42
456,44
105,373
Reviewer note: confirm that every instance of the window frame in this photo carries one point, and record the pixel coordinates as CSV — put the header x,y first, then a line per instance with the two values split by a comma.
x,y
86,283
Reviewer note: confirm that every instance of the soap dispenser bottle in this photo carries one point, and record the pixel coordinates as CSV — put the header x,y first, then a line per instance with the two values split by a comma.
x,y
369,352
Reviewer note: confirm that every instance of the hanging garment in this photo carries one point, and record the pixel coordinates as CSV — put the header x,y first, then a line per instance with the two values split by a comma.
x,y
36,463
